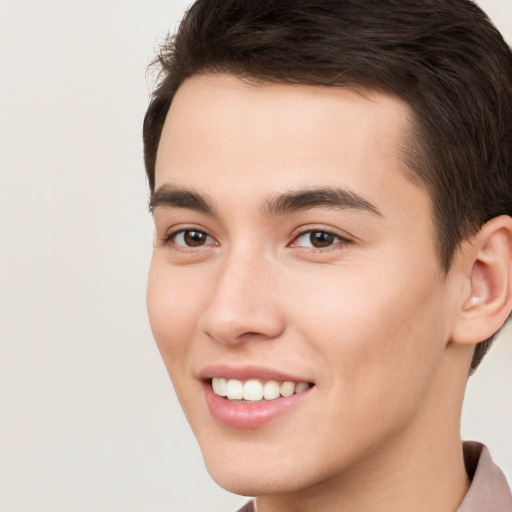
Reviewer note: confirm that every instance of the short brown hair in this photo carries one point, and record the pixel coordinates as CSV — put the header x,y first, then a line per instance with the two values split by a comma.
x,y
444,58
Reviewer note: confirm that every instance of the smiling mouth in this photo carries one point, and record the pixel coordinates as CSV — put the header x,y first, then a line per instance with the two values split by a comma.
x,y
255,390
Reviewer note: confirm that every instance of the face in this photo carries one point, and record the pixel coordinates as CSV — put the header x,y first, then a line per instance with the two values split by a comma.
x,y
294,269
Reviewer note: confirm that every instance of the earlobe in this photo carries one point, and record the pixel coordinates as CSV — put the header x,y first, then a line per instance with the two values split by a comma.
x,y
487,299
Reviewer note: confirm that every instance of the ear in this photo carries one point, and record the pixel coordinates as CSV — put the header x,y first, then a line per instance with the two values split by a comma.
x,y
486,301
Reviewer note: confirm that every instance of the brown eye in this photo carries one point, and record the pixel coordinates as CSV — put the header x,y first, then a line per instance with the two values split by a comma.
x,y
317,239
321,239
192,238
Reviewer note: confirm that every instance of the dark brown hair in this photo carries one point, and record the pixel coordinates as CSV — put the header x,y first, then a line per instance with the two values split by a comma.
x,y
444,58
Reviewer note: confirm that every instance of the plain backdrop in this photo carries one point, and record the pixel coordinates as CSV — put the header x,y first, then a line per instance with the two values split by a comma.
x,y
88,418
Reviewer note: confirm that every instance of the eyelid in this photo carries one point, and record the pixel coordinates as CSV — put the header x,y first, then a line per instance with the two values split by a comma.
x,y
343,239
169,238
170,235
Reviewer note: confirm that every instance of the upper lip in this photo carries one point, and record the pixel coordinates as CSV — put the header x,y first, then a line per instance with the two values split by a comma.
x,y
245,373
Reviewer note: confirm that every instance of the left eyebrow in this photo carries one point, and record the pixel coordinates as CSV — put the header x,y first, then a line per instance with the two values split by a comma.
x,y
327,197
168,196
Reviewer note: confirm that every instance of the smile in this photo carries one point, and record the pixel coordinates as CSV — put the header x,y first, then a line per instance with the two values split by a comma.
x,y
255,390
250,397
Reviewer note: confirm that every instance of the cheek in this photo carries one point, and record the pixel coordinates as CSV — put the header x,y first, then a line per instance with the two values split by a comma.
x,y
172,303
374,333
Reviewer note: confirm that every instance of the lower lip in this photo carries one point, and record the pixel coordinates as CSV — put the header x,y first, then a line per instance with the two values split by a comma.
x,y
253,415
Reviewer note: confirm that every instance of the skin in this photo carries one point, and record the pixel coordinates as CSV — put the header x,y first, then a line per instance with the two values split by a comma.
x,y
369,318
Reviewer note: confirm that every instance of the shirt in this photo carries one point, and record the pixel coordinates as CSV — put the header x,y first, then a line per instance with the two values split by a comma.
x,y
488,492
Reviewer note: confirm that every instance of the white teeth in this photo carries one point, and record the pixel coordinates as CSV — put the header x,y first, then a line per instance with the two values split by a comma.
x,y
271,390
301,386
254,390
220,386
234,389
287,388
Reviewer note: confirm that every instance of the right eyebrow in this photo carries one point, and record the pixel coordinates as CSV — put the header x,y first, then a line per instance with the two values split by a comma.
x,y
168,196
327,197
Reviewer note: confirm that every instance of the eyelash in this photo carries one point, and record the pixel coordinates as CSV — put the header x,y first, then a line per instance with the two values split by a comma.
x,y
170,239
339,240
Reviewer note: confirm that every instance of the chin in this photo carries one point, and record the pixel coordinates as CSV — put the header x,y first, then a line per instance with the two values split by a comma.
x,y
254,482
260,475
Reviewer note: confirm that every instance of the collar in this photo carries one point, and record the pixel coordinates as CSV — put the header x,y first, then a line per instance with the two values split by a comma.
x,y
489,490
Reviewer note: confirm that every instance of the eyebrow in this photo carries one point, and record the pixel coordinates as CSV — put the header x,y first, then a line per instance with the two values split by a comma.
x,y
168,196
327,197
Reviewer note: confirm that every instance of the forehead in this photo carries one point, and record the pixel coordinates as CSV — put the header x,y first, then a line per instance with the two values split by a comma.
x,y
224,135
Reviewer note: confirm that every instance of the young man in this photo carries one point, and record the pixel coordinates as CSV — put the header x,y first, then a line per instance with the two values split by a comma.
x,y
331,183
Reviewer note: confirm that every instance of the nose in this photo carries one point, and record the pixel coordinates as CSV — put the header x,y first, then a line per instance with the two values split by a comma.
x,y
244,303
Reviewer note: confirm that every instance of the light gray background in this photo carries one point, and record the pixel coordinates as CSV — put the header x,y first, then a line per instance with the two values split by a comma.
x,y
88,420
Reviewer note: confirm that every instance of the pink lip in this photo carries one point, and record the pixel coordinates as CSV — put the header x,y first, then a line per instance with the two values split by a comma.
x,y
247,372
241,415
255,415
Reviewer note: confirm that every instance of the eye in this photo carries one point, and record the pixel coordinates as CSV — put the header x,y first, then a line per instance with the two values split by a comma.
x,y
190,238
317,239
